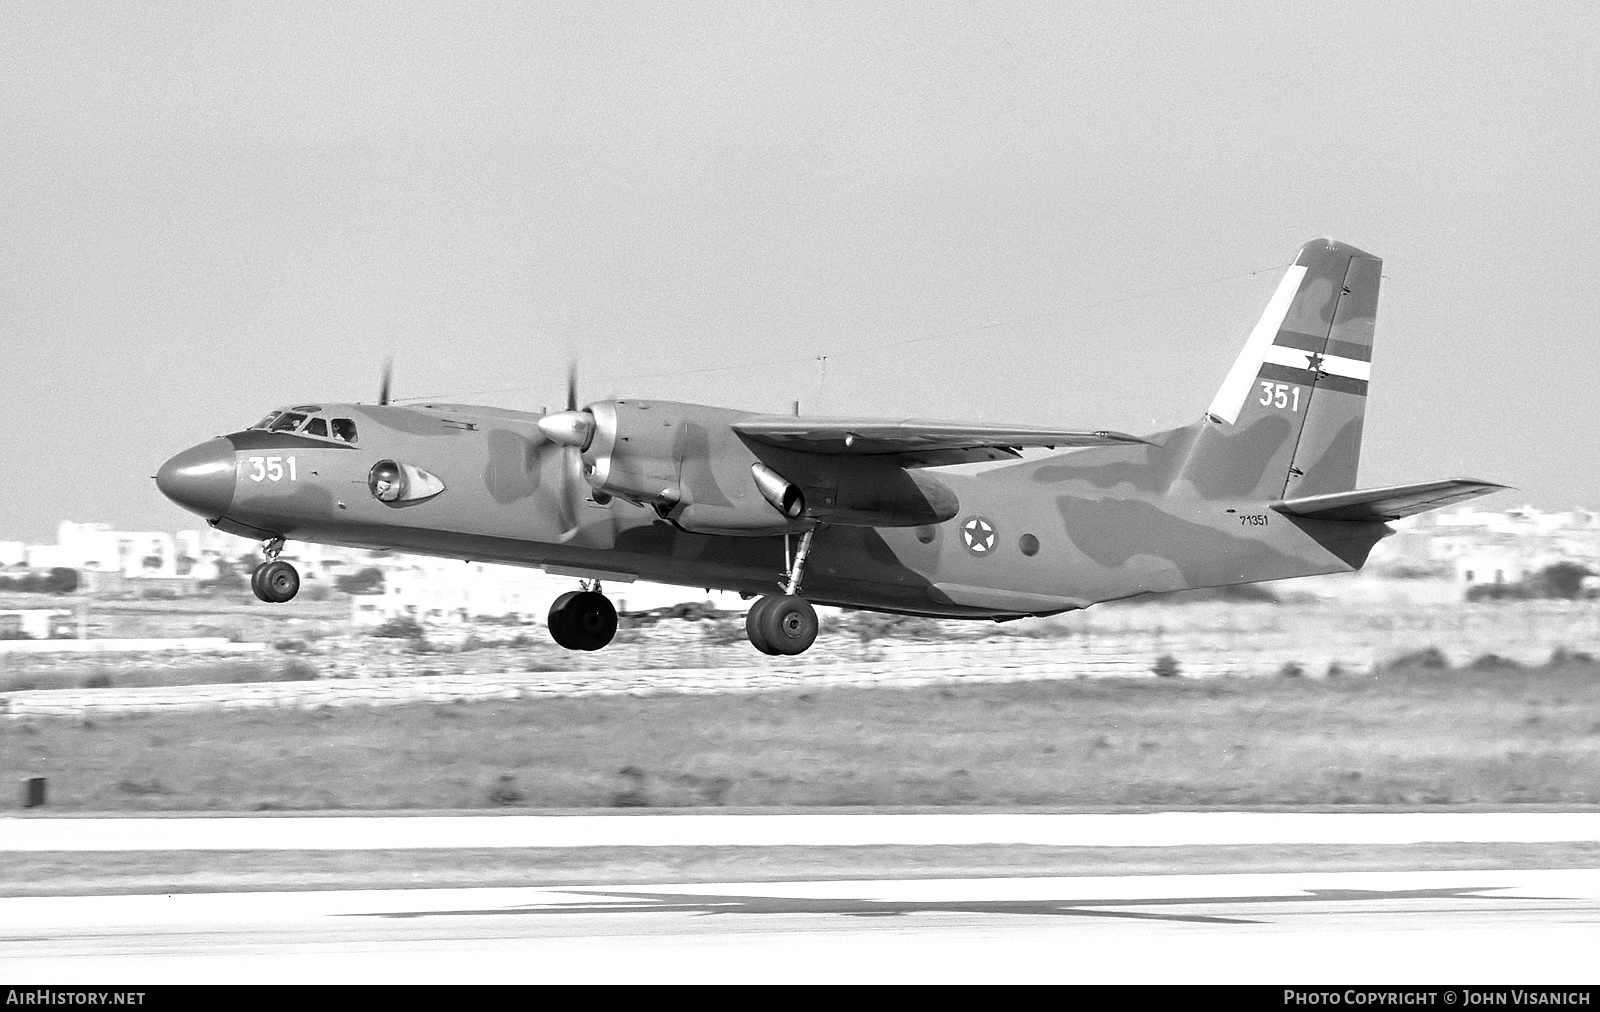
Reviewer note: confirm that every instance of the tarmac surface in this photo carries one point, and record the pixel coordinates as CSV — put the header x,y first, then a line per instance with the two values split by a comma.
x,y
1445,927
853,829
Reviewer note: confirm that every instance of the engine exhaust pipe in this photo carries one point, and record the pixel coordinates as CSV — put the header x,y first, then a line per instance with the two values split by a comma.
x,y
779,491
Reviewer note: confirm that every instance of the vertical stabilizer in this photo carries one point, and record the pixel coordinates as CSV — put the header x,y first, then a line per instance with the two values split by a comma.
x,y
1287,419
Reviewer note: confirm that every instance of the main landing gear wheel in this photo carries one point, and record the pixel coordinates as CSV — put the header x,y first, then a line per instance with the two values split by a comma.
x,y
784,624
582,620
275,582
753,628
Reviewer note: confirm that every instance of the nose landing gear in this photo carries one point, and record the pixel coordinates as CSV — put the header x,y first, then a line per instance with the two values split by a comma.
x,y
583,619
274,581
785,624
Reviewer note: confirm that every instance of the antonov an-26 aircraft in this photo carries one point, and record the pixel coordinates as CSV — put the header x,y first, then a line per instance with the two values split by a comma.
x,y
854,512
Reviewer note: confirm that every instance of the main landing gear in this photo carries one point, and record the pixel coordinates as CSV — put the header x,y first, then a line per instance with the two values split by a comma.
x,y
274,581
785,624
583,619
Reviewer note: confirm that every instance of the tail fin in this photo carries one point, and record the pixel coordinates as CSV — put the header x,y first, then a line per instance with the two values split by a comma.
x,y
1287,421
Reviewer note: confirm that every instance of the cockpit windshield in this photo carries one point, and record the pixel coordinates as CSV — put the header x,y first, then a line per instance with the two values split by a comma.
x,y
287,422
338,430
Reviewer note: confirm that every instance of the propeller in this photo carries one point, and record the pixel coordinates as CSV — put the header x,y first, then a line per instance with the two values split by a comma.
x,y
383,383
572,430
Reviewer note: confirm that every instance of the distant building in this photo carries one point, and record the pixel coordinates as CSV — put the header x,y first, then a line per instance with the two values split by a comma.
x,y
36,624
95,548
1491,567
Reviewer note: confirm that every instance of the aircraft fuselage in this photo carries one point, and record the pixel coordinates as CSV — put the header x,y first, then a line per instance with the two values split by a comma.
x,y
1030,537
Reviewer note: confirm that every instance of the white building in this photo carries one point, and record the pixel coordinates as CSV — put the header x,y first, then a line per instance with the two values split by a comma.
x,y
96,548
35,623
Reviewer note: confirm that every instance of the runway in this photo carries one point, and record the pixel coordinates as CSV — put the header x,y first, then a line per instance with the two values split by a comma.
x,y
1454,928
854,829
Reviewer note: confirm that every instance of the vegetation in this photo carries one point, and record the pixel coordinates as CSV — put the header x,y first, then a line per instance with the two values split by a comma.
x,y
401,627
1407,734
1560,580
99,674
59,580
367,581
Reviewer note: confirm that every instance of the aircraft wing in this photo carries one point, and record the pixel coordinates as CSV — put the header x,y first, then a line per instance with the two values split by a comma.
x,y
915,443
1389,503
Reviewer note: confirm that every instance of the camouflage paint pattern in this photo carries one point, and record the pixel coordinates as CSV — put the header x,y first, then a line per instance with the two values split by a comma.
x,y
1190,507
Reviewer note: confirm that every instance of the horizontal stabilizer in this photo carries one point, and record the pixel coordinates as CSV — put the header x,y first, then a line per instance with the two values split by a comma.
x,y
1375,505
917,443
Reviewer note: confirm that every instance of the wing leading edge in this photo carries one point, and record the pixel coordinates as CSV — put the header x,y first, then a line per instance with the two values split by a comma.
x,y
914,443
1392,502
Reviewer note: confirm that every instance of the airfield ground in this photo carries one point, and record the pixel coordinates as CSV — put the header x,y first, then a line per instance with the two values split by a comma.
x,y
1407,734
1335,707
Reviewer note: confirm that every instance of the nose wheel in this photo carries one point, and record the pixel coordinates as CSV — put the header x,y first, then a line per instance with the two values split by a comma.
x,y
583,620
274,581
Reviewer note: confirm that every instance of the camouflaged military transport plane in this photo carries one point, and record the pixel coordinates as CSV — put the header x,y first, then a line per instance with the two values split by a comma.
x,y
858,511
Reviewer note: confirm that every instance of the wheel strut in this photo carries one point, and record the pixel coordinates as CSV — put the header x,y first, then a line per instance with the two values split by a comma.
x,y
272,548
796,560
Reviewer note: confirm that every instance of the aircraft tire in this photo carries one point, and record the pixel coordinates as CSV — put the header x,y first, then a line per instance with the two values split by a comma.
x,y
593,620
754,629
280,581
789,625
560,621
255,583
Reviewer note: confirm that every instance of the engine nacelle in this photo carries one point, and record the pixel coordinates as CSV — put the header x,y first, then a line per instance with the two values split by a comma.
x,y
686,462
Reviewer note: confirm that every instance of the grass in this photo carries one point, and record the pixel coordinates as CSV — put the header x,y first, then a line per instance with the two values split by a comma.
x,y
96,673
1410,736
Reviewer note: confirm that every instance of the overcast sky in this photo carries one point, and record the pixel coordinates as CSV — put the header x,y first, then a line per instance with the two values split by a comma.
x,y
1046,213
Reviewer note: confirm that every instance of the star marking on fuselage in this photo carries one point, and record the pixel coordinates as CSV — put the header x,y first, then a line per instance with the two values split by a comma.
x,y
978,534
1314,362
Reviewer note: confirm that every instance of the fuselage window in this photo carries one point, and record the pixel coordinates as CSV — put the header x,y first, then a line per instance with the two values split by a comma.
x,y
265,421
344,429
287,422
317,427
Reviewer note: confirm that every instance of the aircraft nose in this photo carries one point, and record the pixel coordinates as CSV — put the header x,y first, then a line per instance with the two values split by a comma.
x,y
200,479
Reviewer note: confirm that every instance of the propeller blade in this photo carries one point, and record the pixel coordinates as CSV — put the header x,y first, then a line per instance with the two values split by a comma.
x,y
383,383
572,385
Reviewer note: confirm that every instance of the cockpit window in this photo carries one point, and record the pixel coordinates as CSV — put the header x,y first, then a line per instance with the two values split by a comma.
x,y
287,422
342,430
